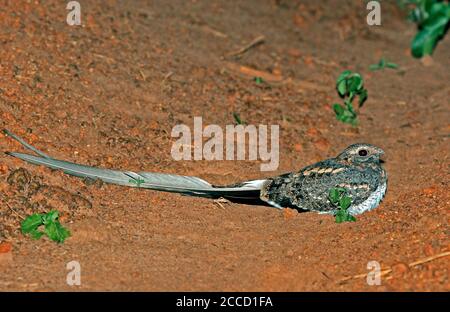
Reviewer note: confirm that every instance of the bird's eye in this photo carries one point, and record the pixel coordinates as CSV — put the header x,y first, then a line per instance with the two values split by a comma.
x,y
362,152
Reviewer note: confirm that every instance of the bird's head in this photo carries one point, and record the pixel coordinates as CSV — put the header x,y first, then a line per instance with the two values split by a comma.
x,y
361,153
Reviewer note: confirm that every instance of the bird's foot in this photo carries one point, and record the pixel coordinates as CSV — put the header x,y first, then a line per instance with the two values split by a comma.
x,y
221,201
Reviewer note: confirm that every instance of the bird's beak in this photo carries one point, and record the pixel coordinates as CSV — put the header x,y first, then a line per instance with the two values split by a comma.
x,y
382,158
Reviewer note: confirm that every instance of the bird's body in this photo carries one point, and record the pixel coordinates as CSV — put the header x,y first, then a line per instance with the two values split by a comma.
x,y
357,169
309,188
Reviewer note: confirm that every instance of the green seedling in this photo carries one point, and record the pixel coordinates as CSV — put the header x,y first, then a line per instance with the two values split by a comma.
x,y
52,228
432,18
259,80
349,85
338,197
237,119
137,181
382,64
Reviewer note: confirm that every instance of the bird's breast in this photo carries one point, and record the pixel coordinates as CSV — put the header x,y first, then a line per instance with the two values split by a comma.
x,y
371,202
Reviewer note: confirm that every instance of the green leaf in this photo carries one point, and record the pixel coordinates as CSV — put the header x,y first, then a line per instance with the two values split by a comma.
x,y
355,83
425,41
237,119
438,8
341,82
338,109
53,229
56,232
339,217
347,117
342,88
431,30
137,181
343,76
52,216
382,64
350,218
392,65
343,216
35,234
362,97
345,202
374,67
31,223
335,194
259,80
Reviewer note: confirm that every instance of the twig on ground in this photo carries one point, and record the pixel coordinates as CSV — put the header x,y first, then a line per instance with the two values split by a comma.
x,y
15,212
198,24
252,73
271,78
167,76
255,42
107,58
214,32
142,75
389,270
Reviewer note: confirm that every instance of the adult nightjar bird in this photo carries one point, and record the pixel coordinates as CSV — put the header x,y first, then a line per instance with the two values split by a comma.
x,y
358,169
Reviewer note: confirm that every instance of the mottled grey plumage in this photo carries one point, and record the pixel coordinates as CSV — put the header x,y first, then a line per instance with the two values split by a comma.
x,y
357,169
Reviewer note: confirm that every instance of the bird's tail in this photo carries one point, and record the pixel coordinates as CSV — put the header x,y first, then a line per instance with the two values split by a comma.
x,y
245,192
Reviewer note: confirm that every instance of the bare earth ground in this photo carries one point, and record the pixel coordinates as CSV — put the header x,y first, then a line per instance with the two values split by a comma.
x,y
109,93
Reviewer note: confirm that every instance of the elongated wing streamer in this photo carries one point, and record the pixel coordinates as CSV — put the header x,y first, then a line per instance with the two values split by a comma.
x,y
247,192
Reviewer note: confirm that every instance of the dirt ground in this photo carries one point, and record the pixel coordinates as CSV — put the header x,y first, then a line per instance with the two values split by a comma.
x,y
109,92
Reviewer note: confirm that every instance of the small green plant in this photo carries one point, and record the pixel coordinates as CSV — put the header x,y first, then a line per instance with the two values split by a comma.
x,y
137,181
52,228
338,197
432,18
259,80
382,64
237,119
349,85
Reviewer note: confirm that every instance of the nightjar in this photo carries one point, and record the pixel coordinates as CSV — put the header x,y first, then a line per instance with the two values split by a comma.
x,y
357,169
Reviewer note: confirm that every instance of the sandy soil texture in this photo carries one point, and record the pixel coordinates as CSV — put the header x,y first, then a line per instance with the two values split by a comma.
x,y
109,92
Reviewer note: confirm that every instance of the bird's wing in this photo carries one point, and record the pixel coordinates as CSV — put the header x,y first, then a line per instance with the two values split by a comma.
x,y
193,186
309,189
316,182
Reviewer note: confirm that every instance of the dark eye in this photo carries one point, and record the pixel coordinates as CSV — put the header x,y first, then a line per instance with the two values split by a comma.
x,y
362,152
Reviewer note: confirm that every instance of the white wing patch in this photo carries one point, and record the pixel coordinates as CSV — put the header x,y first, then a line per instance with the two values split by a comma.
x,y
254,183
